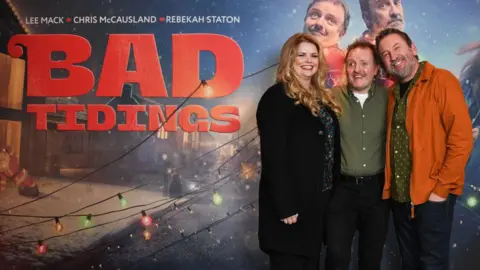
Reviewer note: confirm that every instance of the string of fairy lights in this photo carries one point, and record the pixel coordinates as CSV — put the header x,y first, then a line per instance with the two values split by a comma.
x,y
120,196
146,220
147,235
87,219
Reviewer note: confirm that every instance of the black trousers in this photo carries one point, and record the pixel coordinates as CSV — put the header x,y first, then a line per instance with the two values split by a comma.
x,y
357,206
281,261
424,241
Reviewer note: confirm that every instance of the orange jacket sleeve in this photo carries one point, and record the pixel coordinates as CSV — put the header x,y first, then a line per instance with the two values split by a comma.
x,y
458,127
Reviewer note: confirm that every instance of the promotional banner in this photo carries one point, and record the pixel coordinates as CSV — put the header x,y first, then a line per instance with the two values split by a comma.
x,y
128,132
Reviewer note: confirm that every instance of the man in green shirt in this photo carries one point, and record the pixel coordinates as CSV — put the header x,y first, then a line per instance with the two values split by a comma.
x,y
357,202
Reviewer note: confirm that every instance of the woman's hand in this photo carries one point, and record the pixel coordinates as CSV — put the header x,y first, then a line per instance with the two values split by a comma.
x,y
290,220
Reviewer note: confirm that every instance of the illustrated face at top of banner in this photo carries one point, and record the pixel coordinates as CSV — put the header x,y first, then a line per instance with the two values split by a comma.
x,y
399,56
327,20
381,14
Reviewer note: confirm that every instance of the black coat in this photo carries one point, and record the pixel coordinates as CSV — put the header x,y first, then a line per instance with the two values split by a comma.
x,y
292,143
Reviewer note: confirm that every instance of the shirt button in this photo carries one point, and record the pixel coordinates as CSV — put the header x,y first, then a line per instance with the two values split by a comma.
x,y
364,165
398,126
363,115
364,148
320,132
364,132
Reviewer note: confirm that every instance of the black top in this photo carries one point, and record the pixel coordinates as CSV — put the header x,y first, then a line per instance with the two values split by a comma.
x,y
404,87
300,156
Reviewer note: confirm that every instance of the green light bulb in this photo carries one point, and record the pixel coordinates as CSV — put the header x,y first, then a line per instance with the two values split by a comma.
x,y
123,202
217,199
472,201
88,220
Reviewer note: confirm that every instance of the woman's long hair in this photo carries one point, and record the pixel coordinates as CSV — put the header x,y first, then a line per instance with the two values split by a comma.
x,y
318,95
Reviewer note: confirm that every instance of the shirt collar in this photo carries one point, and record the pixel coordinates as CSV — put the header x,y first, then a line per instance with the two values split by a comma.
x,y
371,91
418,75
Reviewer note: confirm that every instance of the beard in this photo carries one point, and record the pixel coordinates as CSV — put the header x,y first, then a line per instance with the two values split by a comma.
x,y
407,70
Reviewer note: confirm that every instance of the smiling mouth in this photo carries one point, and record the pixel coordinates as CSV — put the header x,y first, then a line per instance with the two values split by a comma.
x,y
307,67
397,63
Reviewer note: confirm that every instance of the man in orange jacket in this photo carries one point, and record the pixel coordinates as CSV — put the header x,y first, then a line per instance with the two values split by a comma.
x,y
429,141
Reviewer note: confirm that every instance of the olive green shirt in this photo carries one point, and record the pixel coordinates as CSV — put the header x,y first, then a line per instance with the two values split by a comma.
x,y
401,159
363,131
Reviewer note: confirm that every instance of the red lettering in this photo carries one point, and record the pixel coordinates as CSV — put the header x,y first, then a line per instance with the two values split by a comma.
x,y
221,113
39,65
71,117
155,112
148,73
41,111
218,113
131,117
185,116
93,112
186,62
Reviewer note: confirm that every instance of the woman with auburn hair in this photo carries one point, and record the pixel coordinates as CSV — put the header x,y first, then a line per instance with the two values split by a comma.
x,y
300,153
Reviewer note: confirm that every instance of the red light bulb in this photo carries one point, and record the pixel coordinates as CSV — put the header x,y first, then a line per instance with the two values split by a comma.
x,y
41,248
146,220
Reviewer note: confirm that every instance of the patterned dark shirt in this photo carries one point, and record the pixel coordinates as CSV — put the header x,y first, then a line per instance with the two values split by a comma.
x,y
327,121
401,158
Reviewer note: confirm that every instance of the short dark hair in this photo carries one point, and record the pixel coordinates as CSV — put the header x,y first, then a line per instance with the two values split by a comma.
x,y
390,31
363,44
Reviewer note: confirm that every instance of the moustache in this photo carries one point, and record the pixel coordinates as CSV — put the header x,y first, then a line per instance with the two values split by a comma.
x,y
394,20
316,28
